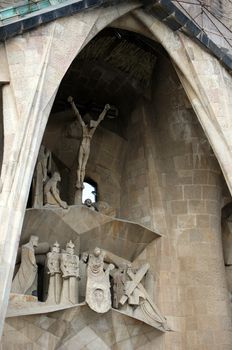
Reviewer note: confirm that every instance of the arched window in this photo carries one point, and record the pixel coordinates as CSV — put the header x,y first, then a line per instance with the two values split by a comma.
x,y
89,191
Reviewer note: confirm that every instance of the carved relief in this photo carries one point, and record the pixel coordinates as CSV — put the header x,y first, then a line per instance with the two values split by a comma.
x,y
98,295
105,278
54,271
25,280
136,295
70,273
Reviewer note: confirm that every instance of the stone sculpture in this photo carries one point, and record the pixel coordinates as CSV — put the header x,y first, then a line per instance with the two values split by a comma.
x,y
83,275
139,303
91,205
98,295
87,133
69,265
25,280
119,281
43,167
54,271
127,283
51,193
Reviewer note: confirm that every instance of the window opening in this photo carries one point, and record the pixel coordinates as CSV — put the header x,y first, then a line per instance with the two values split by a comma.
x,y
89,192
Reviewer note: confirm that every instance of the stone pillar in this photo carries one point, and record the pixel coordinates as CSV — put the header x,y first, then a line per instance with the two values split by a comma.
x,y
191,284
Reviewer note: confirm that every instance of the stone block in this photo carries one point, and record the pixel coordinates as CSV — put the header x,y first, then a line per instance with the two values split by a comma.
x,y
200,177
173,193
211,192
192,192
196,206
179,207
203,221
213,207
186,221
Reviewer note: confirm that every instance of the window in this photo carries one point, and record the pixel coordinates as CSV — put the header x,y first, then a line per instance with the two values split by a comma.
x,y
89,191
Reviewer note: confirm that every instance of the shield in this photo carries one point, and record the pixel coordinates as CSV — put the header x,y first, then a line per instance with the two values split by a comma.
x,y
98,295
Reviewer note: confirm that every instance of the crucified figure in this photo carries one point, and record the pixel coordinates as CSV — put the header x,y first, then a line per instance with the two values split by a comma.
x,y
87,133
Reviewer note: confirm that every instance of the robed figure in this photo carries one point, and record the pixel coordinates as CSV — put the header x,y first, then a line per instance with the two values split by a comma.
x,y
69,265
25,281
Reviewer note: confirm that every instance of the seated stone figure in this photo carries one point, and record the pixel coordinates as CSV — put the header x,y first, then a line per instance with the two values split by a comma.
x,y
25,281
51,193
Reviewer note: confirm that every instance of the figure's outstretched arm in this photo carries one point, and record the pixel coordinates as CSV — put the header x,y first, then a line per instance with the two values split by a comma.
x,y
103,114
77,113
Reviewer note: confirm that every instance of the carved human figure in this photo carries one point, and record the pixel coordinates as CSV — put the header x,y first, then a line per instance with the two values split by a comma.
x,y
54,271
119,280
25,280
87,133
83,275
69,265
43,167
98,295
139,303
51,193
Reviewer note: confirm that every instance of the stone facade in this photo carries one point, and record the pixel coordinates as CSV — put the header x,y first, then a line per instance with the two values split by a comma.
x,y
166,172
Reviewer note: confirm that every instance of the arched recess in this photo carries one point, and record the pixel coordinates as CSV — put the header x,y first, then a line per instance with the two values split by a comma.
x,y
53,46
34,80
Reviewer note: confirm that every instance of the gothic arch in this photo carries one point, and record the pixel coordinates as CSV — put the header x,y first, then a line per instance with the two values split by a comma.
x,y
53,52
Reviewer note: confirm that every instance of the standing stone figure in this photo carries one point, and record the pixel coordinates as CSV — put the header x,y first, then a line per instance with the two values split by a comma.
x,y
87,133
119,281
55,280
25,281
69,265
51,193
43,167
98,295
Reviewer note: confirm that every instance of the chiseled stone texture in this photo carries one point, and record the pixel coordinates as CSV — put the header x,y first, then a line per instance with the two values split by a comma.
x,y
190,284
78,328
173,184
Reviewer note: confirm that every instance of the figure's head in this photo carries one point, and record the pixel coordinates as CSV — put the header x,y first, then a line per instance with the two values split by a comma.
x,y
92,124
34,240
56,247
70,248
56,176
87,119
97,252
84,256
122,268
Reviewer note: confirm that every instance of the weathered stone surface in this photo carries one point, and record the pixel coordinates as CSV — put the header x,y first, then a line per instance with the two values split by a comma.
x,y
160,172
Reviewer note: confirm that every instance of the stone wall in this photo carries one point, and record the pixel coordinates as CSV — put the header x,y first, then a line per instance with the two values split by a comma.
x,y
140,196
191,274
181,189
